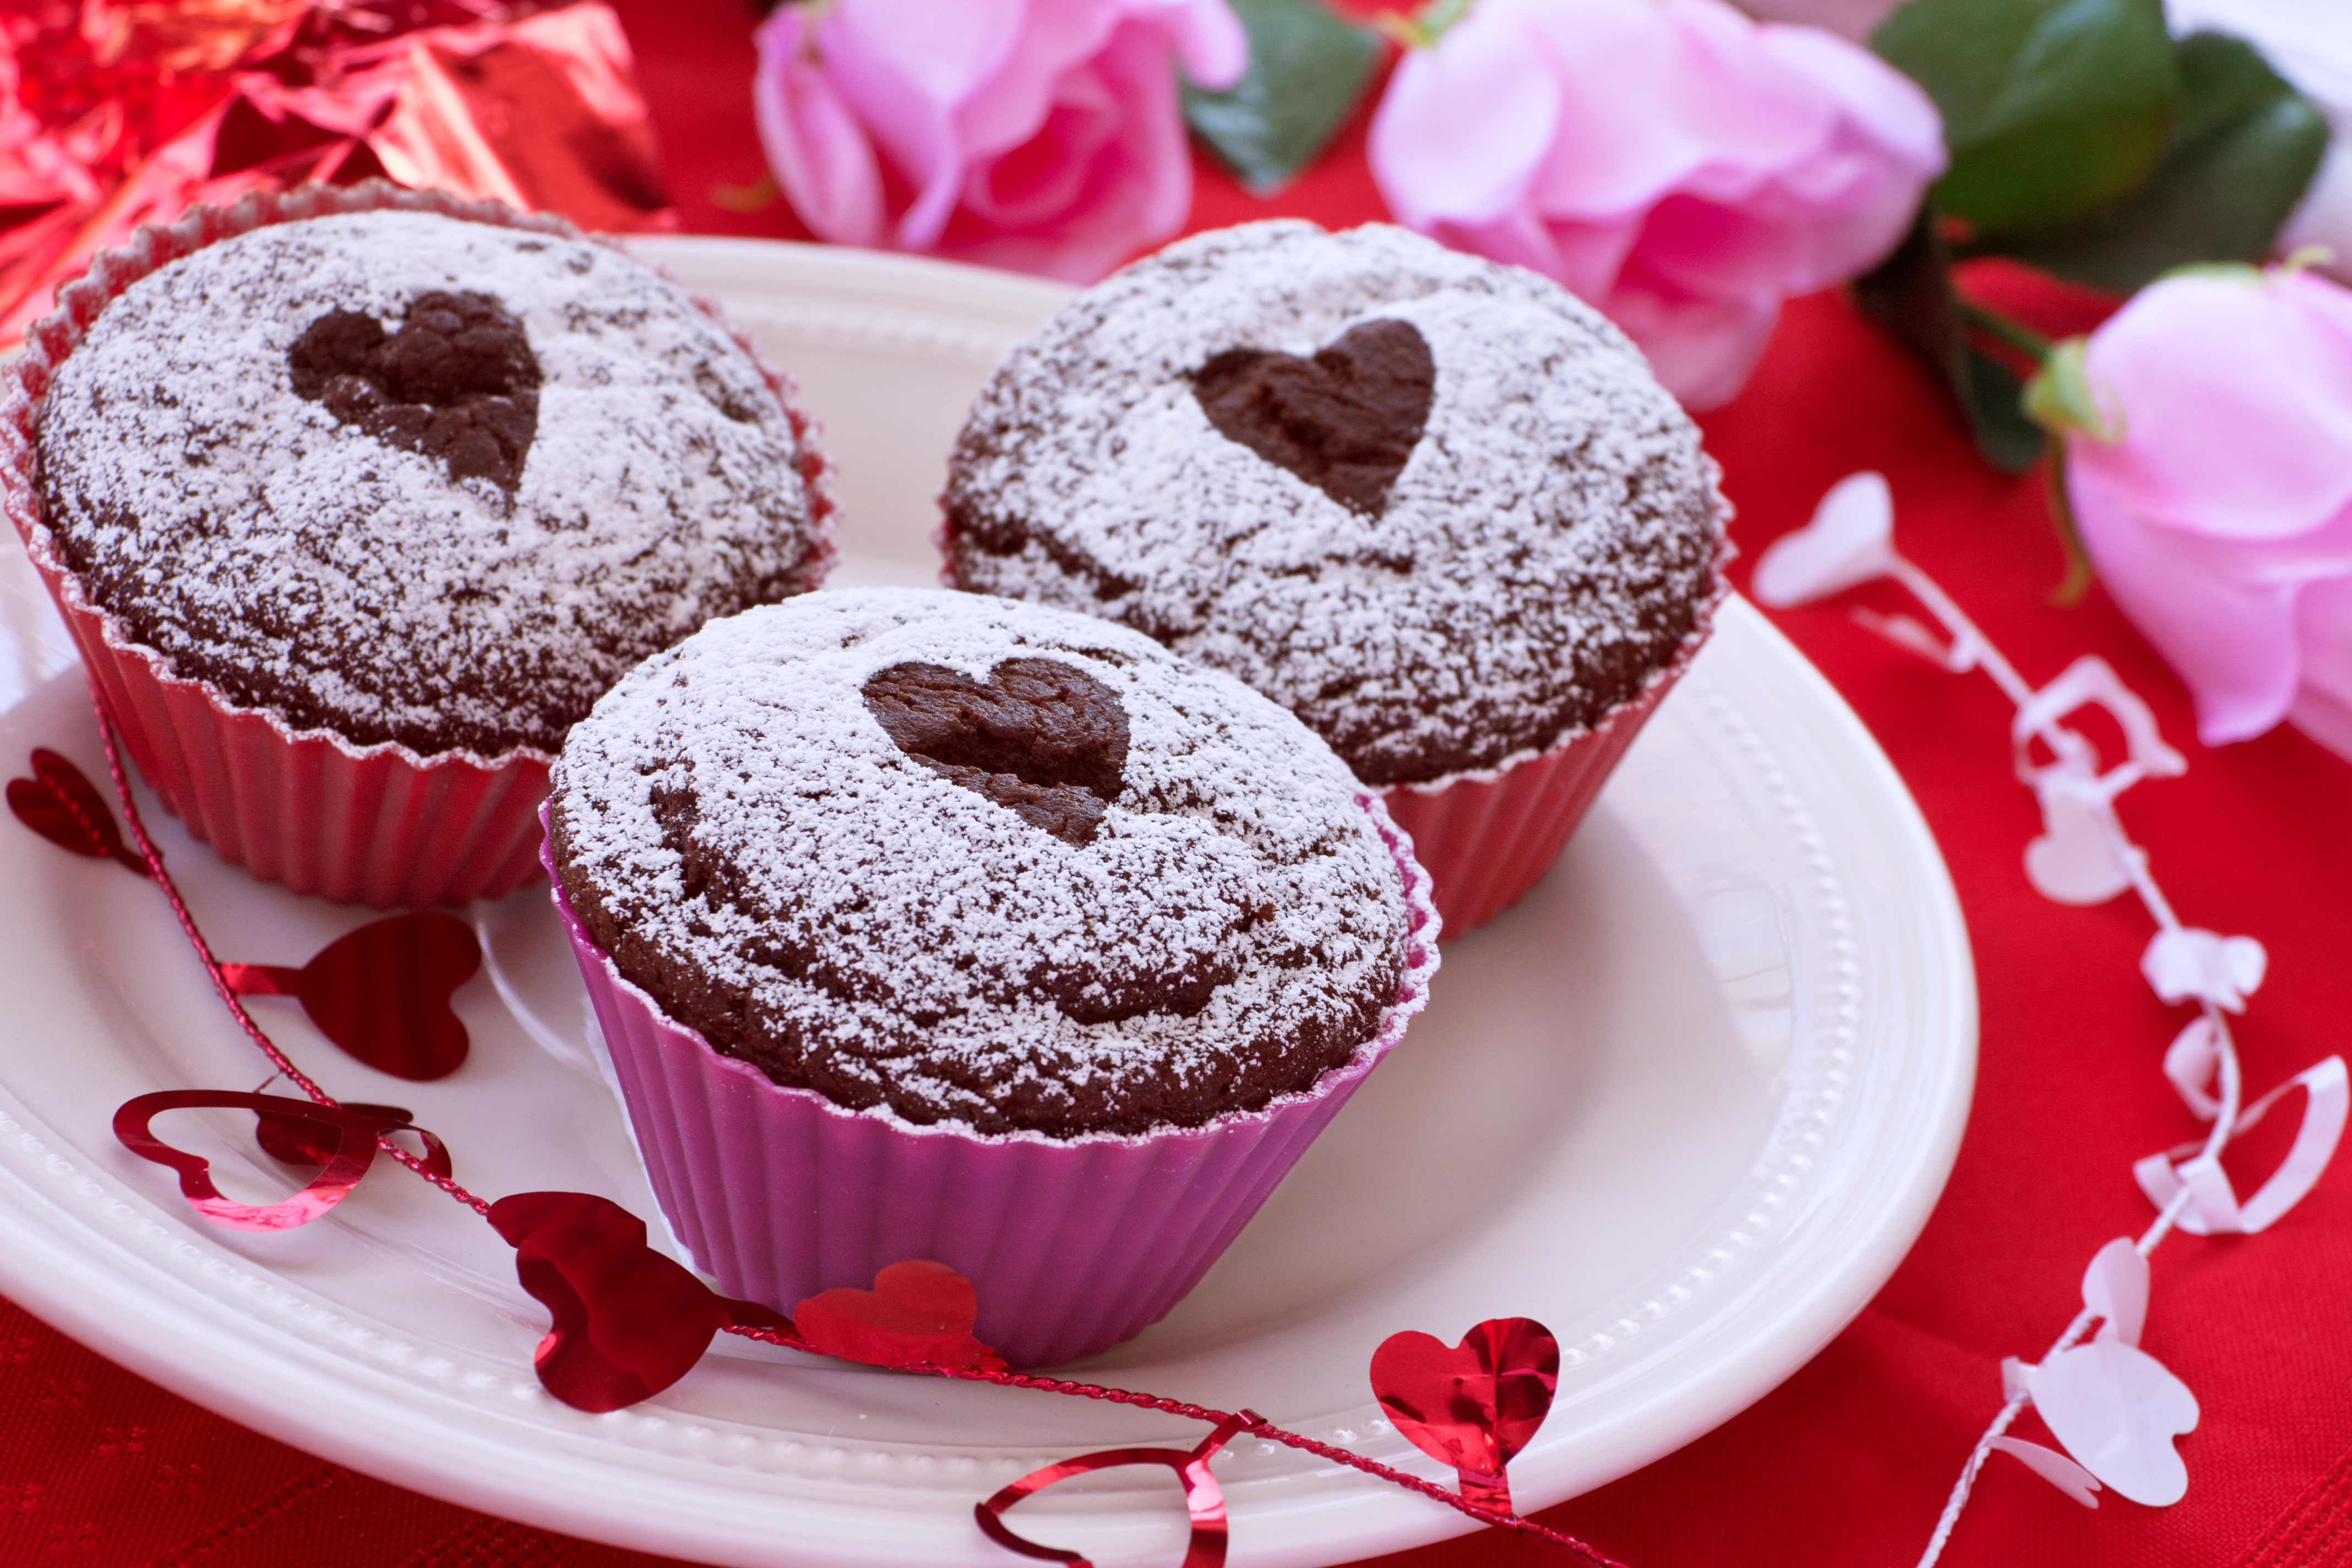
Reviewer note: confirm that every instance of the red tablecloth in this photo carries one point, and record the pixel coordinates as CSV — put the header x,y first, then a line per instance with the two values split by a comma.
x,y
1849,1461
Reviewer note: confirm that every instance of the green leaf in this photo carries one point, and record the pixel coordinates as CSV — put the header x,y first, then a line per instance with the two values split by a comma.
x,y
1910,294
2060,397
2243,151
1308,67
1996,411
2052,109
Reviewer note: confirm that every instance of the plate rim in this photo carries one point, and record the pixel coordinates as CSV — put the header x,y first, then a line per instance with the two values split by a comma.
x,y
1393,1521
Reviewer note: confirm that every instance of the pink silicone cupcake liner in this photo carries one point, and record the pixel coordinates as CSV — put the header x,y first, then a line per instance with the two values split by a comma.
x,y
1072,1245
374,825
1486,838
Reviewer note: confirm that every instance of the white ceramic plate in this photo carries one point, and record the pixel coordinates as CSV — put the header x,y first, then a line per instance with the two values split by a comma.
x,y
1687,1105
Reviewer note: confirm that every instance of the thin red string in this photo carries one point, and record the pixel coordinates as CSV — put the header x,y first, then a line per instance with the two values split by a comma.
x,y
269,1048
1255,1429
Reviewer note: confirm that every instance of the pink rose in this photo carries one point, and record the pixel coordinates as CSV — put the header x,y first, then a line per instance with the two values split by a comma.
x,y
1670,162
1043,135
2220,515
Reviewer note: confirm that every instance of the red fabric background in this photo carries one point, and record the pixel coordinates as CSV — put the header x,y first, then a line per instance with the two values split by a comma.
x,y
1849,1461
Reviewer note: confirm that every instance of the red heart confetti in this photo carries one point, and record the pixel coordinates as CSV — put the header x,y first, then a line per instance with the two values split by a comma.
x,y
1204,1501
917,1314
629,1321
302,1140
64,808
354,1151
383,992
1473,1404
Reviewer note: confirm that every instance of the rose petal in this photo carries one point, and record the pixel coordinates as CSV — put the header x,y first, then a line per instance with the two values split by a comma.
x,y
1435,165
1670,161
2236,403
2233,645
813,139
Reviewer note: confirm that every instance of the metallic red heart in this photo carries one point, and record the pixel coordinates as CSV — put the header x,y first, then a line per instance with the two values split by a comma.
x,y
628,1321
917,1314
63,807
354,1151
1204,1501
383,992
1473,1404
300,1140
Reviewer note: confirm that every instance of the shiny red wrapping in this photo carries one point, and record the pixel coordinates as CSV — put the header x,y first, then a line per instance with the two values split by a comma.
x,y
373,825
124,114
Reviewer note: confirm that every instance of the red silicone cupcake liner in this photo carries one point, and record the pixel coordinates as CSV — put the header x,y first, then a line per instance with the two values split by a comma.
x,y
1072,1245
374,825
1487,838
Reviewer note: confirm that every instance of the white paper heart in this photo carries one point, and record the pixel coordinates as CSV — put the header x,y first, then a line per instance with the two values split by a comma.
x,y
2186,962
2115,1287
2213,1208
2074,861
2052,1467
2189,1062
1849,540
2116,1409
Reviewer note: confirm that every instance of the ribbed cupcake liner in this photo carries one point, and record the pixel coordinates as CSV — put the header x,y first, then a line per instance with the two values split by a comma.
x,y
1072,1245
375,824
1486,838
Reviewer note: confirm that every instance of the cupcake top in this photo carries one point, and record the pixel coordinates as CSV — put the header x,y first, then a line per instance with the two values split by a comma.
x,y
1436,506
409,478
980,862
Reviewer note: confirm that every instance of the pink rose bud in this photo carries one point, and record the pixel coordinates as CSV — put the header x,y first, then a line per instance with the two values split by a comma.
x,y
2216,496
1680,167
1043,135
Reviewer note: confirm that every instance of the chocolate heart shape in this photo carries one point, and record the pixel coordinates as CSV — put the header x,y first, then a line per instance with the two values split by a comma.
x,y
1472,1406
458,381
1042,737
65,807
353,1153
628,1321
919,1314
1345,421
383,992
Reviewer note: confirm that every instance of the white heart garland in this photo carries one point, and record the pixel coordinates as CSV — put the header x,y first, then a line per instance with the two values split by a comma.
x,y
2113,1407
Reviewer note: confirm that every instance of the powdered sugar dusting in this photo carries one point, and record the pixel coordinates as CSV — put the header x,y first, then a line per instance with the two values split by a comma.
x,y
1542,553
735,828
306,568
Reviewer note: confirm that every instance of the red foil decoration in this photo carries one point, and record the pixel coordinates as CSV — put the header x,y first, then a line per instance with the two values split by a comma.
x,y
116,113
383,992
628,1320
302,1141
1473,1404
919,1314
64,808
1204,1501
354,1151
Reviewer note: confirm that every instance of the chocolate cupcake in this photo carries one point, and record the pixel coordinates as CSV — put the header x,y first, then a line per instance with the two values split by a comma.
x,y
930,897
1436,506
981,862
400,478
